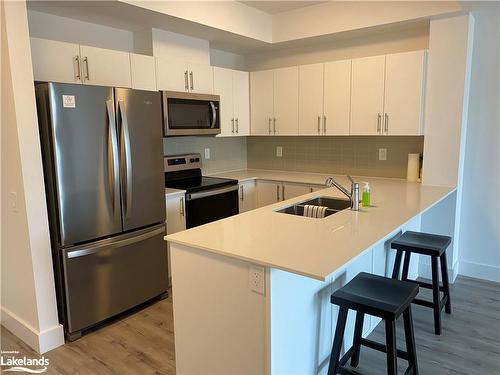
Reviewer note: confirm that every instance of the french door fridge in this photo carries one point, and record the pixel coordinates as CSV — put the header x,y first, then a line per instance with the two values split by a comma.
x,y
103,167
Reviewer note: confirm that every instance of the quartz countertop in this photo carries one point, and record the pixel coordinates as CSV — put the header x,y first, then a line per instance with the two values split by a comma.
x,y
307,246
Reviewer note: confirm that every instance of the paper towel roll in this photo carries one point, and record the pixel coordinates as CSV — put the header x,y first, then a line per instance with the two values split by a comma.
x,y
413,170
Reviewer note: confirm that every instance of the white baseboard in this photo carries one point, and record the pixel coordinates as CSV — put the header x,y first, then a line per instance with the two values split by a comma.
x,y
425,272
41,342
480,271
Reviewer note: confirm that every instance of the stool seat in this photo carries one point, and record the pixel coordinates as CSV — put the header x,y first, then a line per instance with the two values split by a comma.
x,y
422,243
376,295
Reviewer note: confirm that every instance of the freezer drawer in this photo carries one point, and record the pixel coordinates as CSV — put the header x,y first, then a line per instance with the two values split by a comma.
x,y
110,276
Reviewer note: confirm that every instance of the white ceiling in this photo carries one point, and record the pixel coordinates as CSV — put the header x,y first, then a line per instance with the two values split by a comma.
x,y
273,7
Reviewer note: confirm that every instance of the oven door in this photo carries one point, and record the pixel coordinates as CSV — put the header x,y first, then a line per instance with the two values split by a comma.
x,y
210,205
190,114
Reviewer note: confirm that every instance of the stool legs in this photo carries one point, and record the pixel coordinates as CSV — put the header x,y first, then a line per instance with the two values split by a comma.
x,y
358,332
397,264
337,341
406,266
435,296
410,340
446,283
390,338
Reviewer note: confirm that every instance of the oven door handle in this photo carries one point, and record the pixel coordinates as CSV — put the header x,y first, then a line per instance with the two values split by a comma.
x,y
209,193
214,115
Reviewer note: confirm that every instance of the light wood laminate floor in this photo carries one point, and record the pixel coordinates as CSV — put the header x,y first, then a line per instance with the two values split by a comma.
x,y
143,343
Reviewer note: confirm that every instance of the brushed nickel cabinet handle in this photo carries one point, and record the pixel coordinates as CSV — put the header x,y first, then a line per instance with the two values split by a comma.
x,y
237,126
274,125
283,192
379,121
386,123
324,124
277,193
186,84
78,76
232,125
87,74
241,190
269,125
319,124
191,76
181,203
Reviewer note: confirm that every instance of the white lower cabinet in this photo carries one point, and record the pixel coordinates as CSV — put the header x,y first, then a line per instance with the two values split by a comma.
x,y
176,218
247,196
290,190
268,192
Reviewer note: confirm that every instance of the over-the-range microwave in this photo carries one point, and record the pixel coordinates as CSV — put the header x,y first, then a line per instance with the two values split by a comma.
x,y
186,113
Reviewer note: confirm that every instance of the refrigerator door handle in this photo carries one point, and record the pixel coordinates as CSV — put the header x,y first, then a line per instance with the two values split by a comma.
x,y
113,162
120,243
126,160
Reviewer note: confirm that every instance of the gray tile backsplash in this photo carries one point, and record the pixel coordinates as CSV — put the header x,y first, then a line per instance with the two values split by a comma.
x,y
354,155
226,153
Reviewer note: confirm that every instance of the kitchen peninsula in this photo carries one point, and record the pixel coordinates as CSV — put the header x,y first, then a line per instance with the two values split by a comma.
x,y
252,292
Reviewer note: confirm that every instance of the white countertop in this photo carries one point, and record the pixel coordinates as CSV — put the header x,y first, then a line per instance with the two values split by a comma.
x,y
169,191
307,246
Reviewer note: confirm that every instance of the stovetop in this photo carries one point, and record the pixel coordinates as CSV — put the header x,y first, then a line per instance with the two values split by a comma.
x,y
198,183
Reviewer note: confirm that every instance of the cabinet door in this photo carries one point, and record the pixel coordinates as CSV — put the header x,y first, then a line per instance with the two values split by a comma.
x,y
294,190
316,187
143,72
172,75
176,219
268,192
223,86
55,61
201,79
261,102
241,102
337,97
404,74
367,96
311,99
247,196
104,67
286,101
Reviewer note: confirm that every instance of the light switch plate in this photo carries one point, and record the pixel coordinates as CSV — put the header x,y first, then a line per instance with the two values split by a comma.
x,y
207,153
279,151
382,154
256,279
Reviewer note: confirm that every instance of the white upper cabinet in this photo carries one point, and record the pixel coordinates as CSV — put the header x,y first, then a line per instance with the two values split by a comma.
x,y
223,86
55,61
337,97
367,95
173,75
105,67
241,102
311,99
232,87
404,73
286,101
261,102
143,72
201,78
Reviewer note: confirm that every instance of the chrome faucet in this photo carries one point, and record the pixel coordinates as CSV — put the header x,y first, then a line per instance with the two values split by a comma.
x,y
353,195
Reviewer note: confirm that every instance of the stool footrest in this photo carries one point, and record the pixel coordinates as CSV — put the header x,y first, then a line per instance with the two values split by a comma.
x,y
382,348
425,285
423,302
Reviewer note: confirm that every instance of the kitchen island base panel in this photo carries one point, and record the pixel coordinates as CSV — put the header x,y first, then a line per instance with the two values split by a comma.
x,y
223,327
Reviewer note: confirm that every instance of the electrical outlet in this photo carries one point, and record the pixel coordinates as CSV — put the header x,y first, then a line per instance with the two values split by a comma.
x,y
279,151
207,153
382,154
256,280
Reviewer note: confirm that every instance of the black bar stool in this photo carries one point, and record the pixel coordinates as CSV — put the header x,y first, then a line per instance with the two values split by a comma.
x,y
382,297
434,246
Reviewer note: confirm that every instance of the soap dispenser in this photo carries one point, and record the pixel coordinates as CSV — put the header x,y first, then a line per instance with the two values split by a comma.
x,y
365,200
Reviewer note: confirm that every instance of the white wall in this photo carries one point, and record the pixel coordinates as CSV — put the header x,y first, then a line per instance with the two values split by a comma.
x,y
172,46
479,240
408,38
48,26
28,301
229,60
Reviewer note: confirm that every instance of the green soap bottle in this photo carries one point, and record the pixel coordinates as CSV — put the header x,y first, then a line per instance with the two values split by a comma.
x,y
365,200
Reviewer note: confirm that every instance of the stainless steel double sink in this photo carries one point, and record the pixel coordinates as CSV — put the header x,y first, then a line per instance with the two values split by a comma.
x,y
333,205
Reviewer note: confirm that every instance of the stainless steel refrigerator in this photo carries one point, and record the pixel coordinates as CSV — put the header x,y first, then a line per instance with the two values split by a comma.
x,y
103,166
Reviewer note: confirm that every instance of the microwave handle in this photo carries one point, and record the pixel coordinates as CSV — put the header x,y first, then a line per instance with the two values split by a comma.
x,y
214,115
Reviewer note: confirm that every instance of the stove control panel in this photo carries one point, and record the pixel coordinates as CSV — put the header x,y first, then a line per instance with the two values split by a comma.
x,y
182,162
